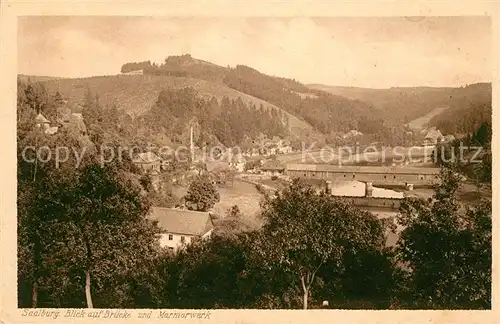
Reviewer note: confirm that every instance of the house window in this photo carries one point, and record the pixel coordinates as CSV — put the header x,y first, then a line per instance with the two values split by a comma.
x,y
385,177
394,177
170,237
344,175
353,176
183,239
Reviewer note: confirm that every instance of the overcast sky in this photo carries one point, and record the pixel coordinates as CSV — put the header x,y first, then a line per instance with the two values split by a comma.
x,y
365,52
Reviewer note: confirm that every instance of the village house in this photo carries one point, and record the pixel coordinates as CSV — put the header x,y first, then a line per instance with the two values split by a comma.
x,y
237,162
135,72
449,138
273,168
433,137
255,152
218,171
181,227
287,149
148,161
66,118
352,133
284,147
41,121
44,123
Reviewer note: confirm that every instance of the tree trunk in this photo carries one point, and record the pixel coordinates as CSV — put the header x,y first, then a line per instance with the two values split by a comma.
x,y
37,255
88,294
34,296
305,290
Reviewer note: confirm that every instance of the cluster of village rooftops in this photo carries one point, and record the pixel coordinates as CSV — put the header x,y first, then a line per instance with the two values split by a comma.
x,y
182,226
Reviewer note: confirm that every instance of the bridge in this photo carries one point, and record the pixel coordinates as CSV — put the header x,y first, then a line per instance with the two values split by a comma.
x,y
377,175
373,202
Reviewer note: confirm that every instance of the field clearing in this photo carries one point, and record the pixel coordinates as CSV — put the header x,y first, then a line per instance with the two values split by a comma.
x,y
421,122
241,193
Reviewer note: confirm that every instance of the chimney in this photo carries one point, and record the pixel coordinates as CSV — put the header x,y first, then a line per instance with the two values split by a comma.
x,y
368,189
191,146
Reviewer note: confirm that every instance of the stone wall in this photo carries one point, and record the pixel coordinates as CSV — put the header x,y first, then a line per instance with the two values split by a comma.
x,y
374,202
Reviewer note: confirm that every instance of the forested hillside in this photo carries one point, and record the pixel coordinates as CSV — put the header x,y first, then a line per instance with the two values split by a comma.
x,y
326,113
468,112
230,121
227,121
314,112
402,105
137,94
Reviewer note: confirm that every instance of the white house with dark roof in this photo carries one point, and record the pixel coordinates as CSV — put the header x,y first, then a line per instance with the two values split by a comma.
x,y
181,226
433,137
41,121
449,138
44,123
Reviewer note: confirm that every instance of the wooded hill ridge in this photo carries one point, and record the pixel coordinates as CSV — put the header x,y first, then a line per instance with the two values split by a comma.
x,y
305,111
408,103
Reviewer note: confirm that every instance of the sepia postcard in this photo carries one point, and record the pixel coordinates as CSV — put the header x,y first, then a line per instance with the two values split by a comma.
x,y
249,162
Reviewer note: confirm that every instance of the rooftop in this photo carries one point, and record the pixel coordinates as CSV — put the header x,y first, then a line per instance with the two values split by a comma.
x,y
41,119
361,169
272,165
147,157
78,115
434,134
181,221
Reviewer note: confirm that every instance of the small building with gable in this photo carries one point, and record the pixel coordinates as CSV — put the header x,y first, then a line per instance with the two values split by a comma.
x,y
134,72
181,227
44,123
237,162
273,168
41,121
148,161
433,137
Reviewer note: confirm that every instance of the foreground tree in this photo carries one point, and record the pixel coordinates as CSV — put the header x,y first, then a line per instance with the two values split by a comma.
x,y
36,154
304,230
202,194
100,231
447,249
210,274
234,212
